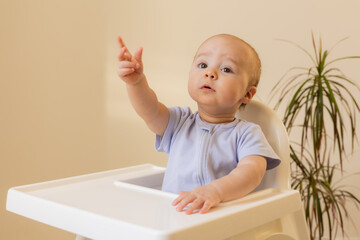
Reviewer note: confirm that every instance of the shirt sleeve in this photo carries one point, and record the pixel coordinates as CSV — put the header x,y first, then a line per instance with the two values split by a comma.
x,y
177,118
253,142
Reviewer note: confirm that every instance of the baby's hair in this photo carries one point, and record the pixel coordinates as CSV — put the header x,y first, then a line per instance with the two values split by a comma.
x,y
255,66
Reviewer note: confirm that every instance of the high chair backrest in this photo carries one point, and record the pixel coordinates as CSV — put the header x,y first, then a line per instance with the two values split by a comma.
x,y
276,134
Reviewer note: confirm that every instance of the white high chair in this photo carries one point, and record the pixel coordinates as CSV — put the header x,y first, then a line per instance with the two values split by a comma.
x,y
276,134
127,203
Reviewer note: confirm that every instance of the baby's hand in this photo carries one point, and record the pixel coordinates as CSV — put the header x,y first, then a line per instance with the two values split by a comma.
x,y
130,68
204,197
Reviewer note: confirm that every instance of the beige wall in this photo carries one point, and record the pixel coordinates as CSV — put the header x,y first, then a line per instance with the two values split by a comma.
x,y
63,111
52,98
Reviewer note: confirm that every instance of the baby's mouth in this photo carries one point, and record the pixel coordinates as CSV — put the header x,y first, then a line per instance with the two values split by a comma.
x,y
207,88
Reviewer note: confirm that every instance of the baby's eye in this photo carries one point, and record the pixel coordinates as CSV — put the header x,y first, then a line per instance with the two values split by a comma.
x,y
202,65
226,70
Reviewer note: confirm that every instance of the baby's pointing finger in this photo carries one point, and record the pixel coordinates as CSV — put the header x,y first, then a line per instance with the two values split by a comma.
x,y
121,55
121,42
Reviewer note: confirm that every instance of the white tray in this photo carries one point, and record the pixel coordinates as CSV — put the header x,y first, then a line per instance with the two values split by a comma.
x,y
127,204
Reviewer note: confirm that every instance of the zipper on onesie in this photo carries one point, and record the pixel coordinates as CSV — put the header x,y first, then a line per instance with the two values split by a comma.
x,y
203,154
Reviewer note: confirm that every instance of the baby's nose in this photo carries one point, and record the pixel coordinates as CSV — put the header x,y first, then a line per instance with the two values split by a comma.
x,y
211,75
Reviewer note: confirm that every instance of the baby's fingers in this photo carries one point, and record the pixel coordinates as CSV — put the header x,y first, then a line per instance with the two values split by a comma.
x,y
138,54
127,64
125,68
205,208
179,198
121,42
194,205
188,198
124,54
123,50
123,72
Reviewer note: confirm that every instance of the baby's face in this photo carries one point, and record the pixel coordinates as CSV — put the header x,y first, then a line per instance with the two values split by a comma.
x,y
218,78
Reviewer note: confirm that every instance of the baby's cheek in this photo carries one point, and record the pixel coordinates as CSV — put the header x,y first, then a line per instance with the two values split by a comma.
x,y
232,95
192,88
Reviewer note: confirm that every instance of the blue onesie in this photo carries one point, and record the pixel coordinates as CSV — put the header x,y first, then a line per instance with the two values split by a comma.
x,y
200,152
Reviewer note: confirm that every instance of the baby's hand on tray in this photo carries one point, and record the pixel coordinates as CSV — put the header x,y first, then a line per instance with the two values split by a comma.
x,y
203,197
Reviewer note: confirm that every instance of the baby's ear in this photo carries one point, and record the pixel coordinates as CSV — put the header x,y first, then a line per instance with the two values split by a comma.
x,y
249,95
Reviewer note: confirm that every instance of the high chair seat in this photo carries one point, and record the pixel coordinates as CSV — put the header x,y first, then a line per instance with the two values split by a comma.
x,y
127,203
276,134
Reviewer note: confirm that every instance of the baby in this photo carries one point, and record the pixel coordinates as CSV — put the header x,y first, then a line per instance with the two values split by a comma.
x,y
213,157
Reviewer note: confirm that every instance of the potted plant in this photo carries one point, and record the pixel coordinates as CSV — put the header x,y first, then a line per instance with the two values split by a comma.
x,y
320,104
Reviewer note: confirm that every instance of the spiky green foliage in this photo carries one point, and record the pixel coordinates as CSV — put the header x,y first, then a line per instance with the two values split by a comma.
x,y
321,105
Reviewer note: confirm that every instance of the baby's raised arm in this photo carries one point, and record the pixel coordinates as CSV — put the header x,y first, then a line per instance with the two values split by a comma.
x,y
142,97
